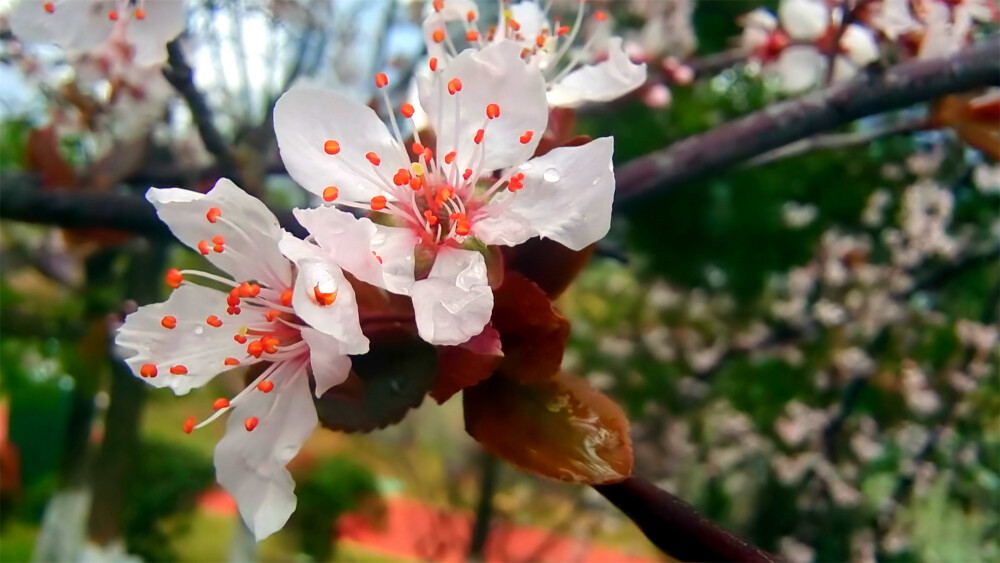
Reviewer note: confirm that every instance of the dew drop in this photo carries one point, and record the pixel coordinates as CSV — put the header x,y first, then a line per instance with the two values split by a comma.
x,y
596,181
199,329
551,175
525,166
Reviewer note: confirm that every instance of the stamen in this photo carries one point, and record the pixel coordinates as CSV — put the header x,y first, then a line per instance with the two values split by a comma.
x,y
330,193
218,242
373,158
526,138
270,315
479,137
407,110
450,157
140,14
381,80
493,111
203,247
179,370
437,36
174,278
220,403
470,16
286,298
438,5
265,386
113,15
472,35
401,178
255,348
189,425
324,298
377,257
378,203
600,16
169,322
231,362
331,147
467,174
454,86
214,321
49,7
433,63
213,214
250,423
148,370
242,339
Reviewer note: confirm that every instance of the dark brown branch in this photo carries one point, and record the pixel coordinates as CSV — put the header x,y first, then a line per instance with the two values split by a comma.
x,y
869,93
675,527
181,77
22,199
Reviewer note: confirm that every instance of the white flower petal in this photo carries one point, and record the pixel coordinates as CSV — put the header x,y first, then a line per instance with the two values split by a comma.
x,y
74,25
530,18
455,302
805,20
601,82
567,197
149,36
860,45
306,118
451,11
494,75
357,244
330,367
250,231
251,464
799,68
318,273
201,348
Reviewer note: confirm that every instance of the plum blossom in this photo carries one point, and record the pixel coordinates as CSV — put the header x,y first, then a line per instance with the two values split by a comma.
x,y
543,45
796,45
139,28
476,185
286,319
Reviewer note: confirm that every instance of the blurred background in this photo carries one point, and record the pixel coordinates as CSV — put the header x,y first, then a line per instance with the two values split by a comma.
x,y
806,345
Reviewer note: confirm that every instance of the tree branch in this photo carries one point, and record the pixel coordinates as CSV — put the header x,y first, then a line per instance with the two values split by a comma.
x,y
181,77
675,527
869,93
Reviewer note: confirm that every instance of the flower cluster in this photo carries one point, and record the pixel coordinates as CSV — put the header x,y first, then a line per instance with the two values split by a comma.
x,y
421,219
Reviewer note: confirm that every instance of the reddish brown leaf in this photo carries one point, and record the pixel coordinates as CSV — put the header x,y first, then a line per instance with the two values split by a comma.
x,y
532,331
547,263
561,428
466,365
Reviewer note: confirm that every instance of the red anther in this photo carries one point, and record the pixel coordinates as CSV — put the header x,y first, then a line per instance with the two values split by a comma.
x,y
437,36
286,298
140,14
373,158
178,370
381,80
563,30
189,425
492,111
430,217
526,138
443,195
214,321
450,157
203,246
265,386
407,109
247,289
415,183
433,63
519,176
378,203
233,310
220,403
454,86
272,314
148,370
330,193
479,136
233,300
470,16
540,40
213,214
49,7
255,289
168,321
331,147
218,243
462,228
250,423
255,348
270,344
600,16
400,178
472,35
324,298
377,257
240,338
467,174
417,148
428,154
231,362
113,15
438,5
514,24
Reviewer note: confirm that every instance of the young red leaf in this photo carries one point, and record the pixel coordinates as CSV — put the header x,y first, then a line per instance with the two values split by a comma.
x,y
562,428
532,331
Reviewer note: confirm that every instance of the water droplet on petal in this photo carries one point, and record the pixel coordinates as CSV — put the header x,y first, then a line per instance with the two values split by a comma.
x,y
199,329
596,181
551,175
525,166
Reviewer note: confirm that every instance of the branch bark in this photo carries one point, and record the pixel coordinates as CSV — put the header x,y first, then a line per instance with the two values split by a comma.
x,y
869,93
677,528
